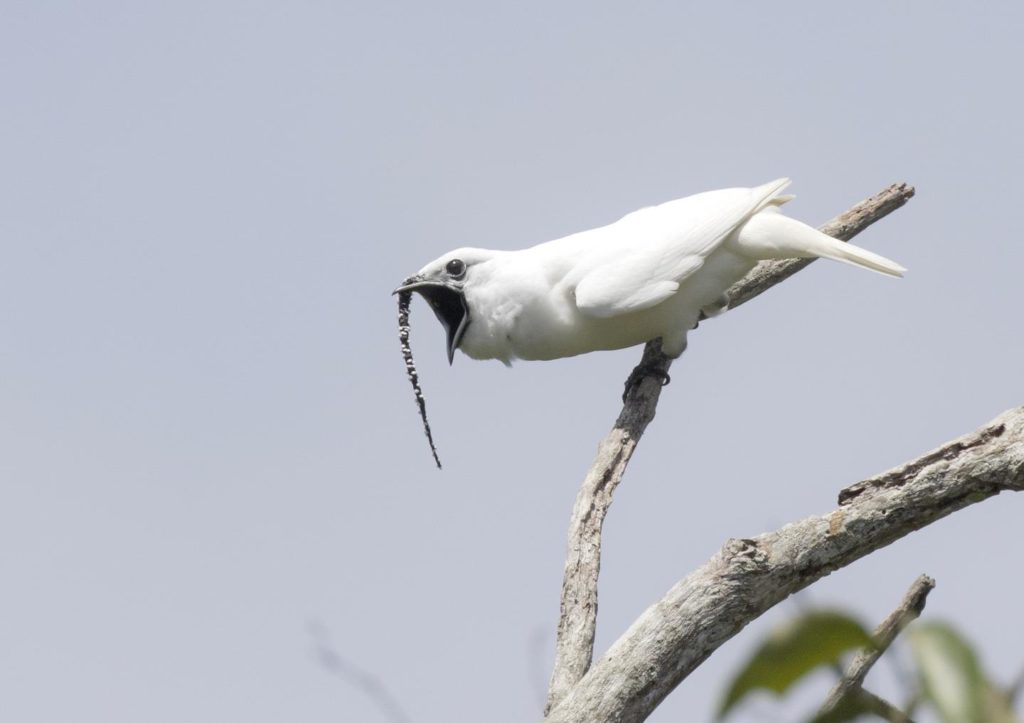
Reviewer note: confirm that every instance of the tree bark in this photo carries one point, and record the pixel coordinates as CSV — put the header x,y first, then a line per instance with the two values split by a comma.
x,y
748,576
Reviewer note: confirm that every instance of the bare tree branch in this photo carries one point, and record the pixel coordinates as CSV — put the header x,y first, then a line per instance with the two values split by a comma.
x,y
909,609
578,614
367,683
748,576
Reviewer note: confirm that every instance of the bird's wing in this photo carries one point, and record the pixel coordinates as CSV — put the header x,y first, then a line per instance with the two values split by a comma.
x,y
643,257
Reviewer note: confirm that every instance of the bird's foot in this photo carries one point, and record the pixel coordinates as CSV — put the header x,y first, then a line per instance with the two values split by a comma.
x,y
644,369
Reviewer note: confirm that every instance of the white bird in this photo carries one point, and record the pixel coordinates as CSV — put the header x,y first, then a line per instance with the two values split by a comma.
x,y
650,274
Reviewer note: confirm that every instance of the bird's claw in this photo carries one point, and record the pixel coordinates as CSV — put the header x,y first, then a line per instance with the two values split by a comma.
x,y
644,370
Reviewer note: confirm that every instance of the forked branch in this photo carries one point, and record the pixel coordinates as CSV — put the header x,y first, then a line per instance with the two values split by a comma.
x,y
578,615
748,576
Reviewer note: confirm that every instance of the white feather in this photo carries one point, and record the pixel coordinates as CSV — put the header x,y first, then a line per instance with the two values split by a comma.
x,y
663,246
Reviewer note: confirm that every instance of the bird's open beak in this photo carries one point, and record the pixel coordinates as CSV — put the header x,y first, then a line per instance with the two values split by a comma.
x,y
449,305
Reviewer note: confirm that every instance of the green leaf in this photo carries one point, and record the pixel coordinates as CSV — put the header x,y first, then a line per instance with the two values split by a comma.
x,y
793,650
951,676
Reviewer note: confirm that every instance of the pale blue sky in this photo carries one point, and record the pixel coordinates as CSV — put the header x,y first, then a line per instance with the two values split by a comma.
x,y
207,437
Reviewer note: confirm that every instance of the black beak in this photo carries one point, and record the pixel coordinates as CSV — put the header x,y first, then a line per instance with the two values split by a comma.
x,y
448,303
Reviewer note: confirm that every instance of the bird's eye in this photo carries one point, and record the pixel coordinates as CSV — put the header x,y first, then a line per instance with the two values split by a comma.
x,y
456,268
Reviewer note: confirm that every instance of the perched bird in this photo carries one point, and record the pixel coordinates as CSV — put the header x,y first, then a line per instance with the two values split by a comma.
x,y
650,274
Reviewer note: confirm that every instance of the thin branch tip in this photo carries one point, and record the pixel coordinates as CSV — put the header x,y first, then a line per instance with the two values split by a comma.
x,y
908,610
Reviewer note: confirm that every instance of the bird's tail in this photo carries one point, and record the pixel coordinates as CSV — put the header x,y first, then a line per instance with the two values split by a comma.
x,y
770,235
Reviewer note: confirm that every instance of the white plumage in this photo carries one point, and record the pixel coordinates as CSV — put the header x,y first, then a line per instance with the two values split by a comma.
x,y
648,275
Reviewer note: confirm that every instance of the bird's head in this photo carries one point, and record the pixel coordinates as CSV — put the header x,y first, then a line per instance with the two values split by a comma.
x,y
443,283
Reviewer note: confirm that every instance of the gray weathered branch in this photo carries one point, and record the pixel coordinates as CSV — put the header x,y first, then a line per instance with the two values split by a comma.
x,y
909,609
578,615
748,576
367,683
